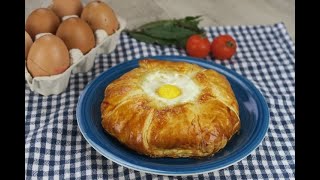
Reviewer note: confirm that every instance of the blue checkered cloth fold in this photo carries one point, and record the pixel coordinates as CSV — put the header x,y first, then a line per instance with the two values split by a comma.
x,y
55,148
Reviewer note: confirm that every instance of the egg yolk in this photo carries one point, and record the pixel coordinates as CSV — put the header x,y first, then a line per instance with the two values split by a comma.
x,y
168,91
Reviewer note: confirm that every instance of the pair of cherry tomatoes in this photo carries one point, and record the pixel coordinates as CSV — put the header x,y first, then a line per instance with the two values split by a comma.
x,y
222,47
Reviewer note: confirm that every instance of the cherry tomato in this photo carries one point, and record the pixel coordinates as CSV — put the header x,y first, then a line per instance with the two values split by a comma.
x,y
223,47
198,46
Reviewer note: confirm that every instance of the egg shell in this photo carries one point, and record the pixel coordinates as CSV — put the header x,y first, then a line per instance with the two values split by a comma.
x,y
67,7
76,33
100,16
42,20
56,84
48,56
27,44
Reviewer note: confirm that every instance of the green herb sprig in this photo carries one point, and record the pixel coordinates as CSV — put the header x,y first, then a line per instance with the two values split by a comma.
x,y
168,32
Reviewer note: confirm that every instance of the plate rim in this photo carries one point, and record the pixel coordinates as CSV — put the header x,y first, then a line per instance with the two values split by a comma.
x,y
195,171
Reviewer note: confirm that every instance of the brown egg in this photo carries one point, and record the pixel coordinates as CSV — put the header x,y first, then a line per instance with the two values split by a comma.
x,y
27,43
76,34
48,56
67,7
42,20
100,16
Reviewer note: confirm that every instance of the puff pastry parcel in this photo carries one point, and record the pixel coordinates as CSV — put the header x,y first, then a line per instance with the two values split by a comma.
x,y
171,109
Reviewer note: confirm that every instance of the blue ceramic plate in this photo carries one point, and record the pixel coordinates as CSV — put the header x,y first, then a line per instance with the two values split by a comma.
x,y
254,116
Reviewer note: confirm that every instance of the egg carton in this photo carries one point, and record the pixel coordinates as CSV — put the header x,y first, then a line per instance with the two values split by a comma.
x,y
56,84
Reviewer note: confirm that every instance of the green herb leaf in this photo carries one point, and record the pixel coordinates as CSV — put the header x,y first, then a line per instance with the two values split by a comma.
x,y
148,39
192,18
182,42
169,31
190,23
153,24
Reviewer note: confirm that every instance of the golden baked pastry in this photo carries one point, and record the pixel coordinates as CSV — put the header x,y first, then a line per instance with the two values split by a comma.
x,y
171,109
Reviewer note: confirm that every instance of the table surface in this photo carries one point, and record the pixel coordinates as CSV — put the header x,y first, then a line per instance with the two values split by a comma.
x,y
215,13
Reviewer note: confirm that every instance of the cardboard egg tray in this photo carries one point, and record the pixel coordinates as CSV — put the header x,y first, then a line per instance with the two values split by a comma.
x,y
56,84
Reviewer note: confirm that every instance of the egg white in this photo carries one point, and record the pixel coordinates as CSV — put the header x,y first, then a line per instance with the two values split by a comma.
x,y
154,80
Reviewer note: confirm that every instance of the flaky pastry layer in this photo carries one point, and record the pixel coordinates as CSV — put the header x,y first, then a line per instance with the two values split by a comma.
x,y
196,128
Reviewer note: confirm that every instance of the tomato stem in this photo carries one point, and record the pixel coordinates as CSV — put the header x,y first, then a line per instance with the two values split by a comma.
x,y
203,36
230,44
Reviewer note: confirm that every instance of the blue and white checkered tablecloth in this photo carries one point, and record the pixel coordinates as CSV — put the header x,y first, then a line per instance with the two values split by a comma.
x,y
55,148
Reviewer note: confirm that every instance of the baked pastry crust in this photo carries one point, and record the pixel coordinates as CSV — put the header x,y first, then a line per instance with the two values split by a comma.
x,y
196,128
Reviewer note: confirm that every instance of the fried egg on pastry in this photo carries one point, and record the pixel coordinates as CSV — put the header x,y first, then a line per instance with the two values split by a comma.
x,y
171,109
170,88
